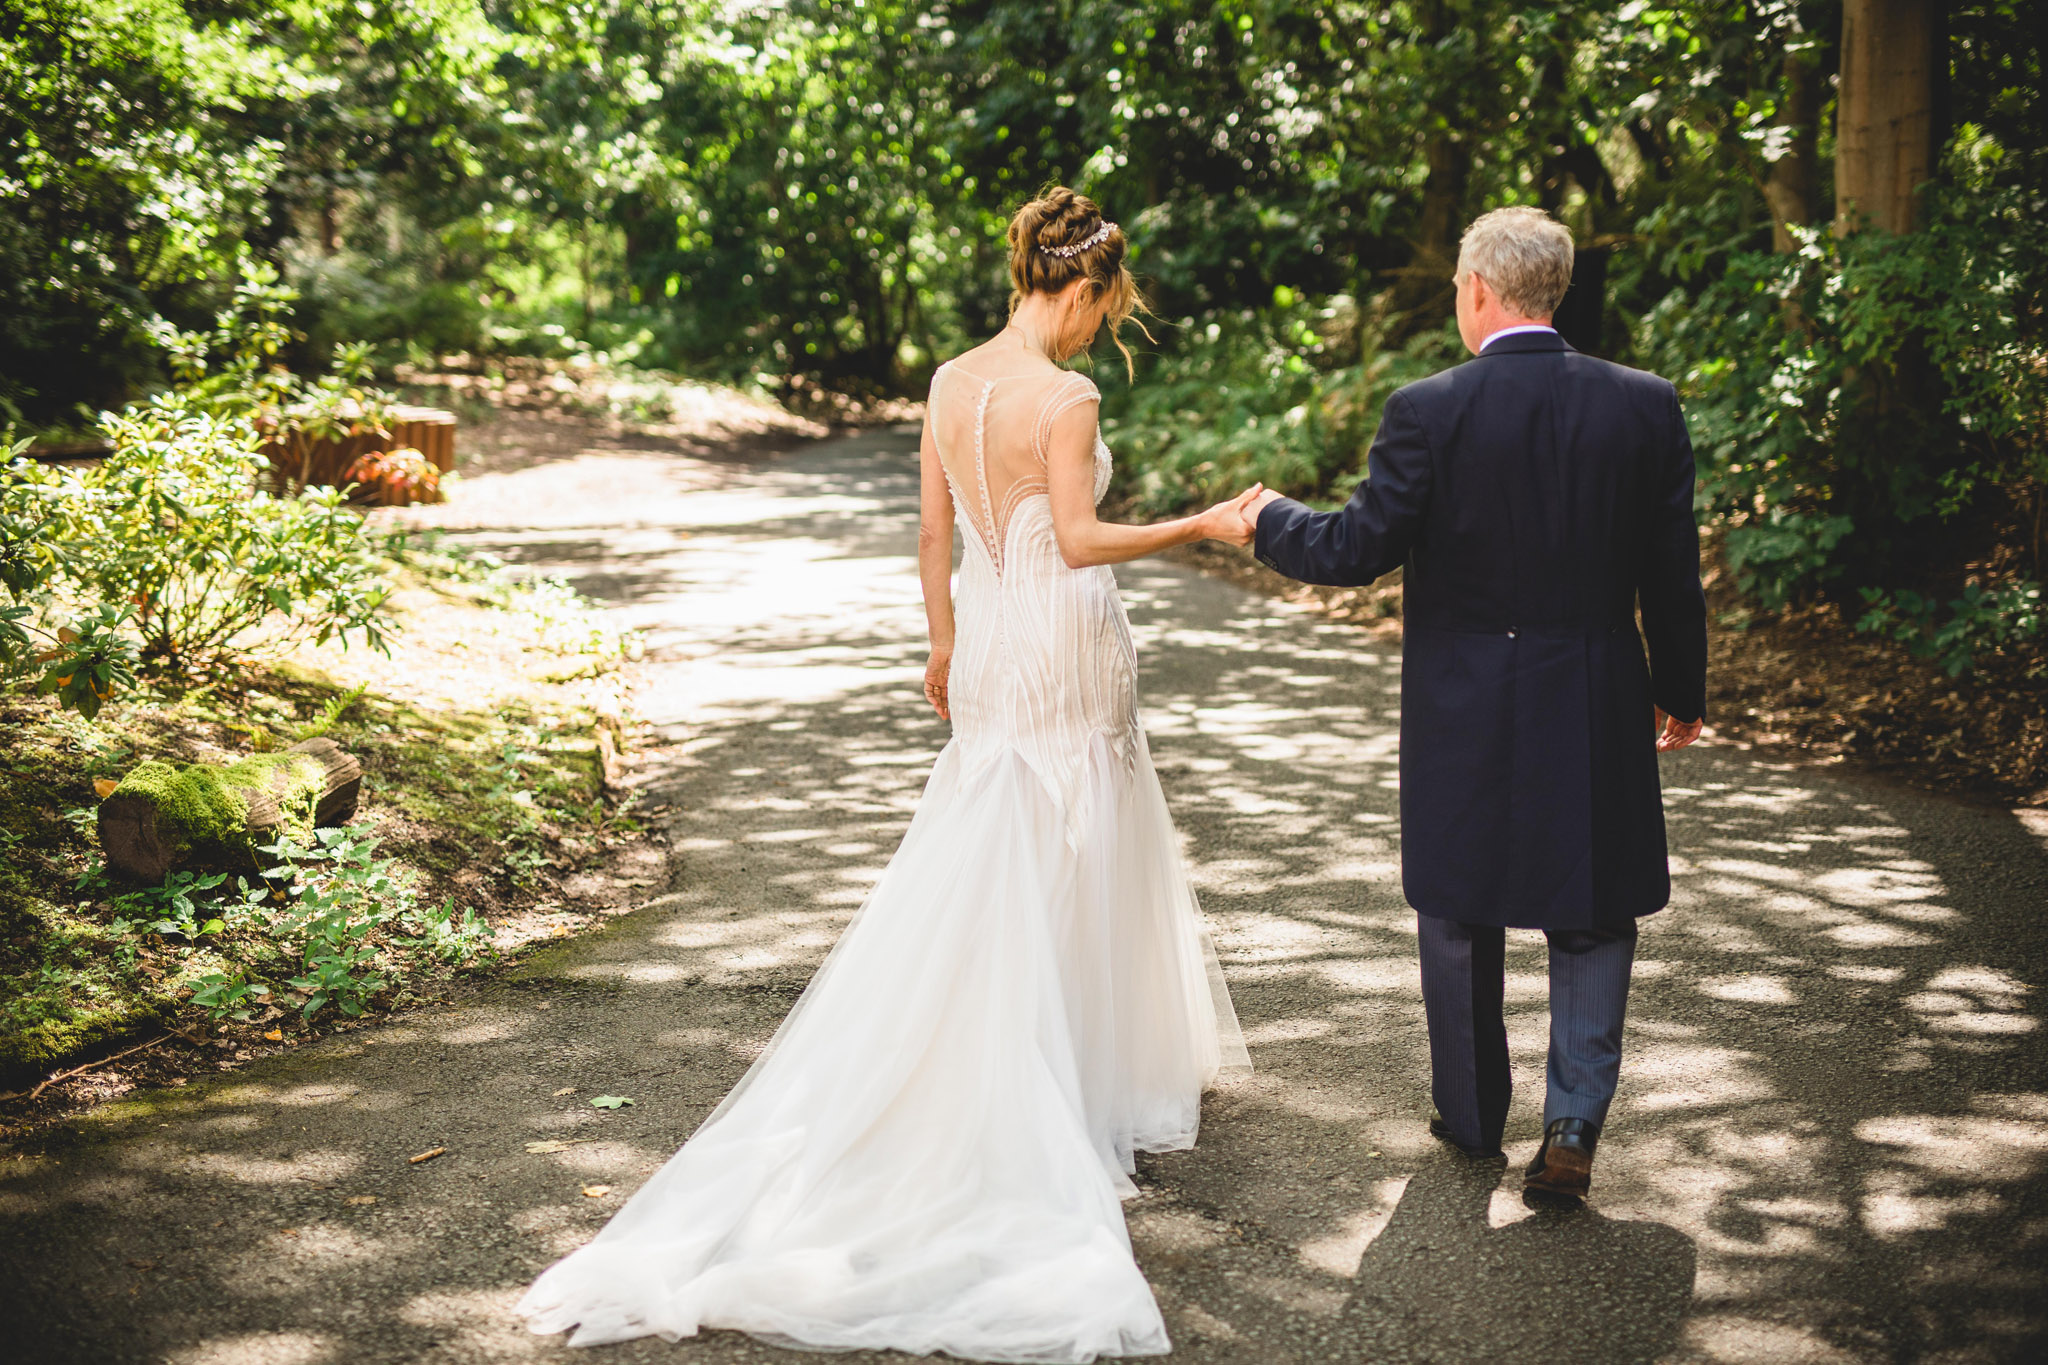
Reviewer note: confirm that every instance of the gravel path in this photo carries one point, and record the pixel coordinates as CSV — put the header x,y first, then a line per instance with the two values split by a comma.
x,y
1830,1146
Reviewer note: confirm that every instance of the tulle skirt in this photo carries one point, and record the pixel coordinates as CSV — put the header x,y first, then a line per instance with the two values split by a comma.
x,y
930,1155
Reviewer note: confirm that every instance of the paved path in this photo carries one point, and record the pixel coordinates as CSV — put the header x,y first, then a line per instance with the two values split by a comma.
x,y
1831,1143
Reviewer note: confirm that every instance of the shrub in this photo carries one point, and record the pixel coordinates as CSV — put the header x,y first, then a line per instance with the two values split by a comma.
x,y
1982,620
396,478
81,659
1842,395
1248,398
173,526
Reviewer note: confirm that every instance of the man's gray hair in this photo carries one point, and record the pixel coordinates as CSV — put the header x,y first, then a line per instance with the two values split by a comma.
x,y
1523,254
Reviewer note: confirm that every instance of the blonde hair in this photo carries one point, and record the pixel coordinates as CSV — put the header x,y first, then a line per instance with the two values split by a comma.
x,y
1524,254
1061,237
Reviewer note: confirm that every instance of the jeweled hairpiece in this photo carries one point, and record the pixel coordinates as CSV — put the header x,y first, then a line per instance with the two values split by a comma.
x,y
1073,249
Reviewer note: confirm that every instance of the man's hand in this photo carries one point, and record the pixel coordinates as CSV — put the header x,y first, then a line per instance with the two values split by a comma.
x,y
1674,734
1250,511
1226,522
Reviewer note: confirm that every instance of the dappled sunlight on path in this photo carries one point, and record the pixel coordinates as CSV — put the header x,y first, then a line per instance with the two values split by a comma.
x,y
1831,1142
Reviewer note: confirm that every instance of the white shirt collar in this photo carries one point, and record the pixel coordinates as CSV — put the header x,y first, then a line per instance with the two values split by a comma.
x,y
1516,331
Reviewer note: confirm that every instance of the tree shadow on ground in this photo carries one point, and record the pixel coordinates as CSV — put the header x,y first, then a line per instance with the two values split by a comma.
x,y
1832,1108
1440,1282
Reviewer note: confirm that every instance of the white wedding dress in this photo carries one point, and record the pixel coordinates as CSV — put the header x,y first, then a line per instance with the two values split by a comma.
x,y
930,1154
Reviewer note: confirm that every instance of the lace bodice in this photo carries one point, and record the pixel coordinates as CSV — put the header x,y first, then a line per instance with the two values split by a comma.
x,y
1043,665
994,435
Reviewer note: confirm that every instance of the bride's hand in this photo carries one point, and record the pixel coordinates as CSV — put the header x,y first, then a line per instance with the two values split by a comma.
x,y
935,674
1229,521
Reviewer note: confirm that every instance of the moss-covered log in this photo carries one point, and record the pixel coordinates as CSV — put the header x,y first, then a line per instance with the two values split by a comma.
x,y
163,816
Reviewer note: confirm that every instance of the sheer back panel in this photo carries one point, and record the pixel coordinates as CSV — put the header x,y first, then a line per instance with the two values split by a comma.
x,y
993,430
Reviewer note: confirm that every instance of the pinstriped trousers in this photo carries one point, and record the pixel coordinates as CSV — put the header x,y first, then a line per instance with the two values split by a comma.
x,y
1463,983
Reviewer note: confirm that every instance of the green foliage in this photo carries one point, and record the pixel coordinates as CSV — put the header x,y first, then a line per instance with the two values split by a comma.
x,y
228,997
340,898
1981,621
173,908
1777,554
125,184
234,371
173,524
1772,355
815,191
337,706
1250,398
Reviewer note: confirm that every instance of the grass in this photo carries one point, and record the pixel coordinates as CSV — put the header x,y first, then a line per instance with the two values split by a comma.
x,y
484,740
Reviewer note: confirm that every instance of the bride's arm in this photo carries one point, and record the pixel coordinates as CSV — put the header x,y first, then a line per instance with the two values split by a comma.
x,y
935,567
1084,540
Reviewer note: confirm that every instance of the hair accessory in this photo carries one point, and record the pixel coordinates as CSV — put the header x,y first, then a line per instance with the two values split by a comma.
x,y
1073,249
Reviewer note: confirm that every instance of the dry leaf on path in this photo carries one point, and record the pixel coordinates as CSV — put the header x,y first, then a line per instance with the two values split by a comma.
x,y
565,1090
276,1035
596,1191
362,1199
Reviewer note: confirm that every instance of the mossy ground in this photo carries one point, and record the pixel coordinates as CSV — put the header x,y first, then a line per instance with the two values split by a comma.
x,y
483,760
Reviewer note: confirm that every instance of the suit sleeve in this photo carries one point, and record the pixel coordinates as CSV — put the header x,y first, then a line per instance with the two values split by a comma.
x,y
1371,534
1673,602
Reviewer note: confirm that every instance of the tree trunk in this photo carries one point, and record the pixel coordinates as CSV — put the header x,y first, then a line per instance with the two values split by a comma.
x,y
1885,133
1792,190
1580,318
143,841
1423,287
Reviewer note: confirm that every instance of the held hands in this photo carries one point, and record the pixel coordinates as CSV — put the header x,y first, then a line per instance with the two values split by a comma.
x,y
1674,734
935,675
1235,521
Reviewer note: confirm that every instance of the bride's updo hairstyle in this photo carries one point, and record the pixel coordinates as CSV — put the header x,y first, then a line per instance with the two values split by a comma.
x,y
1061,237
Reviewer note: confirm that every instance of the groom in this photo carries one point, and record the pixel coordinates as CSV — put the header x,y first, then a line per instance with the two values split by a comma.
x,y
1537,498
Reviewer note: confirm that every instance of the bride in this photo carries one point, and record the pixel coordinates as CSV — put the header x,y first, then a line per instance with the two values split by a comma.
x,y
929,1155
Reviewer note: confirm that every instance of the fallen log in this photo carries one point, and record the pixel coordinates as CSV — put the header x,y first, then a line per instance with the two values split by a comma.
x,y
162,816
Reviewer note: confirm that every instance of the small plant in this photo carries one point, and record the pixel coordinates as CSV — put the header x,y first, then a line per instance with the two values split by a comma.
x,y
332,712
1776,556
228,997
344,900
396,478
173,908
1982,620
444,936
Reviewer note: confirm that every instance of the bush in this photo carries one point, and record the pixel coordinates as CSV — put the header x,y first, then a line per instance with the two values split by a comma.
x,y
81,659
1845,396
173,525
1979,622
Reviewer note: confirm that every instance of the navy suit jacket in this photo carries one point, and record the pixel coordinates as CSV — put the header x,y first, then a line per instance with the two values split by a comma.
x,y
1537,497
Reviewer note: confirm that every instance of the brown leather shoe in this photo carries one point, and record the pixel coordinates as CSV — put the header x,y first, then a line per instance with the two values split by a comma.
x,y
1563,1169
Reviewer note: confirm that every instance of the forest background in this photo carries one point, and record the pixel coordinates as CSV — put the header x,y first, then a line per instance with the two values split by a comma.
x,y
1823,220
